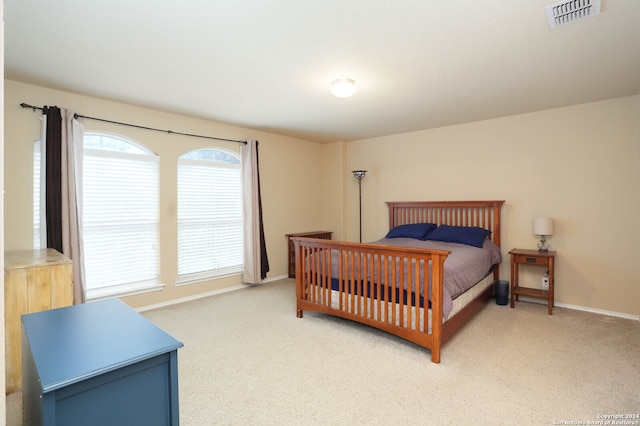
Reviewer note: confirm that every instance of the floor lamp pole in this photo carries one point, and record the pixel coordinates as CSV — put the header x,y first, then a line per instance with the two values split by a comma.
x,y
359,174
360,206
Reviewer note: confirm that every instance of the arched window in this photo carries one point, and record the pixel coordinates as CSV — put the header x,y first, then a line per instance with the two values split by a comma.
x,y
120,215
209,215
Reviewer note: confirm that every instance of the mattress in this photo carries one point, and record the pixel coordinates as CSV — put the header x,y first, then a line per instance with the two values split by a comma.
x,y
457,305
463,268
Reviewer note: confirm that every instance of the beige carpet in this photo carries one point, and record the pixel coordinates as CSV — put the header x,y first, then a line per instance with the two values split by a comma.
x,y
248,360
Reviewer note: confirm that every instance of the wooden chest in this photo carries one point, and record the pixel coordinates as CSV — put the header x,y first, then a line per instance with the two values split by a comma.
x,y
34,281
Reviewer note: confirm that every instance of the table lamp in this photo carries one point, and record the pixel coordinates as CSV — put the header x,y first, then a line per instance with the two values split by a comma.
x,y
543,226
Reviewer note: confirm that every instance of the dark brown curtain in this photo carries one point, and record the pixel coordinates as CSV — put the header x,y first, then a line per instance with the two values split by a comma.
x,y
264,260
53,178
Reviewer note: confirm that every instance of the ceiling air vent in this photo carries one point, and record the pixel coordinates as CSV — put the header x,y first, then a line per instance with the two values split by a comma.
x,y
566,12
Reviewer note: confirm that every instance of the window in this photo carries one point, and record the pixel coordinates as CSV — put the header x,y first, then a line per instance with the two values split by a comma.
x,y
119,214
37,171
120,187
209,215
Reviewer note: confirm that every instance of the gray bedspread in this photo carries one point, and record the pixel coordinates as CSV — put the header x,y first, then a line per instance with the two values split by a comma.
x,y
463,268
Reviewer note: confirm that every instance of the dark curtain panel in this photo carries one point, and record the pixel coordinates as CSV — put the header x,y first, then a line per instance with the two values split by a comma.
x,y
264,260
53,198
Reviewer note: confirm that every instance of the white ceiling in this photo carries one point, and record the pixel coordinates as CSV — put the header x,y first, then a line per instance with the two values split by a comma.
x,y
267,65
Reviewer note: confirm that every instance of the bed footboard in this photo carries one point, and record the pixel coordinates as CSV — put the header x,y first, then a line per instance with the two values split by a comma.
x,y
374,285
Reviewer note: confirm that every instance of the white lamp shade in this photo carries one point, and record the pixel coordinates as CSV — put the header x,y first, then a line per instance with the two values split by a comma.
x,y
343,87
543,226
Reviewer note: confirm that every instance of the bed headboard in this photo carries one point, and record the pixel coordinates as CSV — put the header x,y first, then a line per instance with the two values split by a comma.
x,y
485,214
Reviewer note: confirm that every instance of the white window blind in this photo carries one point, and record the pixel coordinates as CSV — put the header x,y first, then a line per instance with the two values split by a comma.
x,y
119,216
36,194
209,215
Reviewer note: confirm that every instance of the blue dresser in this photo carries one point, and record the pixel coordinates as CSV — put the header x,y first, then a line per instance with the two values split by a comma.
x,y
99,363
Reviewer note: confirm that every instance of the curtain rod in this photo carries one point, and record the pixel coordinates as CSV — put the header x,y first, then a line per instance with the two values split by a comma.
x,y
24,105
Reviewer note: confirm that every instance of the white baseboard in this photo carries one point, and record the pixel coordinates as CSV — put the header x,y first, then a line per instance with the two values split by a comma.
x,y
203,295
281,277
583,308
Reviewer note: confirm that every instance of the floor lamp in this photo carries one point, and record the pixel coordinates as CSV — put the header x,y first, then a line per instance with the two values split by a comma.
x,y
359,174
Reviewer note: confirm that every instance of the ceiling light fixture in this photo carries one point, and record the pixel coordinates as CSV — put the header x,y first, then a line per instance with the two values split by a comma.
x,y
343,88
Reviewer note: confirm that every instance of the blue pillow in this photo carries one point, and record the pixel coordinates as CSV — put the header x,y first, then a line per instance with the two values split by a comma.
x,y
469,235
419,231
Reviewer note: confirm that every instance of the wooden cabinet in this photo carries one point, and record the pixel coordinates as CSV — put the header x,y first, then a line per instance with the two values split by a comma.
x,y
98,363
325,235
532,257
34,281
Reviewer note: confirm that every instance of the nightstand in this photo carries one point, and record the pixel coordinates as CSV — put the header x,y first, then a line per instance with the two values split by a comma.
x,y
536,258
325,235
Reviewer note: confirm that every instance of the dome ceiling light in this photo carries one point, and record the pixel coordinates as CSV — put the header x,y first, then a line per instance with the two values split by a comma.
x,y
343,88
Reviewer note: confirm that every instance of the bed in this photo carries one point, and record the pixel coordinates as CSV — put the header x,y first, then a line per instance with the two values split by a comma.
x,y
402,283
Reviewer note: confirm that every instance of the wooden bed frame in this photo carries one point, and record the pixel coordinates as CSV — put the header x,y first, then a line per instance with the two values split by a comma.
x,y
359,301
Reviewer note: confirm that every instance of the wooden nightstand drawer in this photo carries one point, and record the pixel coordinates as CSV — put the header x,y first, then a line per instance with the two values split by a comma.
x,y
531,260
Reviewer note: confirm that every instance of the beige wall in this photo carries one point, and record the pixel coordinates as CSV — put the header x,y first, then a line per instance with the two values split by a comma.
x,y
2,354
579,165
291,171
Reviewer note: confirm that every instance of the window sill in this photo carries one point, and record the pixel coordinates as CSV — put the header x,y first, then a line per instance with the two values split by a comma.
x,y
207,276
123,290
